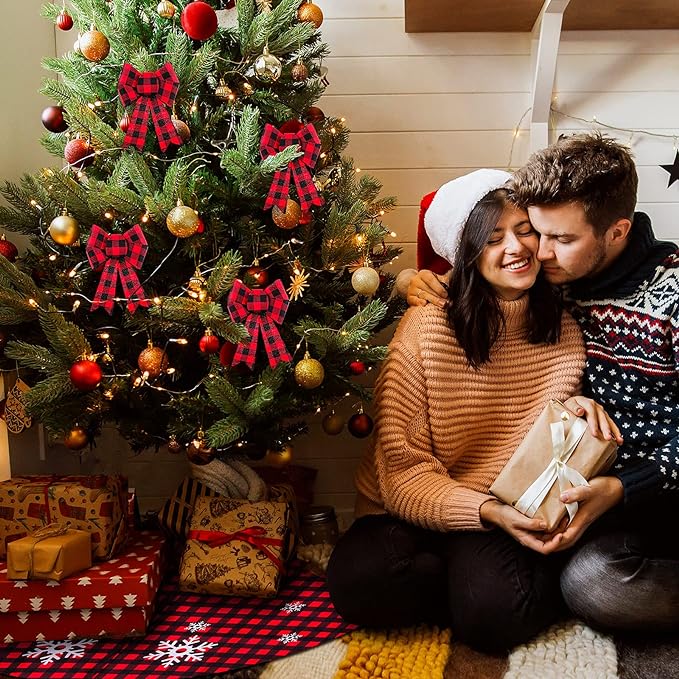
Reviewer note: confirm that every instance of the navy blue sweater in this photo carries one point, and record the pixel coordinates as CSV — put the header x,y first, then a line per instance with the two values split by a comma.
x,y
629,315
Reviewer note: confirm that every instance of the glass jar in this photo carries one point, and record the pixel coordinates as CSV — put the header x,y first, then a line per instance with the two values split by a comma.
x,y
319,526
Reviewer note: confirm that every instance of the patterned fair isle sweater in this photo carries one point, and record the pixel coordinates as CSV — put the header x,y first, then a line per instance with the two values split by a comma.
x,y
629,315
443,431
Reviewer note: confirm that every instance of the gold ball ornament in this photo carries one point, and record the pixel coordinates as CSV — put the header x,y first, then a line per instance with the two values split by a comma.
x,y
333,424
94,45
166,9
64,230
279,457
182,221
199,451
173,446
268,67
309,372
76,439
365,280
288,219
311,13
153,360
299,72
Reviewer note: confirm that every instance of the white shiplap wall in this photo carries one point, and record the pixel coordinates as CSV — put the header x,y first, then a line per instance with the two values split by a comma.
x,y
423,108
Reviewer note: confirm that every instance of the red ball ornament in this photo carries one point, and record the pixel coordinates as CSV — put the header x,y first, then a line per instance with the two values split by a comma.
x,y
199,20
79,153
201,226
360,425
357,367
7,249
256,277
64,21
314,115
53,119
306,218
85,375
291,126
209,343
226,354
124,123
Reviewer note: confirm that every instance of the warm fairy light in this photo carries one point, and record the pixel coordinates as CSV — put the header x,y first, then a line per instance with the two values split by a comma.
x,y
72,273
358,169
108,215
76,304
359,238
33,202
170,371
137,382
104,335
324,154
97,103
32,302
156,301
393,234
333,130
52,258
145,217
179,340
108,394
145,375
381,213
343,120
79,174
90,105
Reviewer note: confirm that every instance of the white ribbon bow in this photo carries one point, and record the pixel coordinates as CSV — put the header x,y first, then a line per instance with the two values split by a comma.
x,y
557,470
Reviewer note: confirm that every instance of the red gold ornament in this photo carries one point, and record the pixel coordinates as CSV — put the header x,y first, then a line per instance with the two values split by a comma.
x,y
79,153
357,367
153,360
94,45
199,20
306,218
7,249
333,424
226,354
199,452
64,21
76,439
279,457
256,277
124,122
209,343
299,72
182,130
173,446
360,425
311,13
314,115
288,219
85,375
53,119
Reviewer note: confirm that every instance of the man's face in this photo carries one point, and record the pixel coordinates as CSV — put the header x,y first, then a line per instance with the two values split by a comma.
x,y
569,249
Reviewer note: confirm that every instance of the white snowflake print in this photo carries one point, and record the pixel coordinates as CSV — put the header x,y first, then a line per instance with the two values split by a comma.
x,y
199,626
293,607
291,638
54,651
184,650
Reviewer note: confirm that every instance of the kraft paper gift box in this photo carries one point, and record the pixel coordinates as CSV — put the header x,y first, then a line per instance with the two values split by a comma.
x,y
50,553
97,504
235,547
557,453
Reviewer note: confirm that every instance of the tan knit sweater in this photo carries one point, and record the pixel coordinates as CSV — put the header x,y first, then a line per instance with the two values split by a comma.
x,y
443,431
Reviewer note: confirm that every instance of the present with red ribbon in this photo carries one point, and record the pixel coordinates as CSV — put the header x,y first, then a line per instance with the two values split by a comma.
x,y
273,141
235,547
260,310
117,255
153,93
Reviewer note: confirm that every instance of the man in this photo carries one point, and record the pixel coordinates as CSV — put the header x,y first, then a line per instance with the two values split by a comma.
x,y
622,285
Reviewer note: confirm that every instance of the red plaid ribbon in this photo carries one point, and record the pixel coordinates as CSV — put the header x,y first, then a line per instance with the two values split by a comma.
x,y
259,309
274,141
153,91
255,536
118,254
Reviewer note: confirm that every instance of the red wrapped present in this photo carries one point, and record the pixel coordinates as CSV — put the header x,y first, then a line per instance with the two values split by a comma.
x,y
113,598
97,504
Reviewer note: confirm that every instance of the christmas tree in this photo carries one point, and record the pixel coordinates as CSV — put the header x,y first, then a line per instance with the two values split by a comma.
x,y
204,263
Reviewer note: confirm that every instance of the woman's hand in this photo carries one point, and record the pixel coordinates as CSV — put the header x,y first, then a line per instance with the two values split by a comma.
x,y
426,287
600,424
527,532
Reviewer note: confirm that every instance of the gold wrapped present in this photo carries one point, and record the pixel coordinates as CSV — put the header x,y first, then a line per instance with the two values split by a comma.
x,y
558,453
52,552
235,547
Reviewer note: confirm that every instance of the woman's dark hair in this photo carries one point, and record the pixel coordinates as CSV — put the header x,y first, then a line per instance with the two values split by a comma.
x,y
474,312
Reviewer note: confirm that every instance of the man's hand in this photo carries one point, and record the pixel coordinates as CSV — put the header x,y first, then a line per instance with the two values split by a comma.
x,y
602,494
426,287
527,532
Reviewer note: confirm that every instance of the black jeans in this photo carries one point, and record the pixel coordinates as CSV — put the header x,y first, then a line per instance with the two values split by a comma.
x,y
491,591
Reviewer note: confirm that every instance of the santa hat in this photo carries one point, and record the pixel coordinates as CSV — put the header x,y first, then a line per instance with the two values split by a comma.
x,y
444,213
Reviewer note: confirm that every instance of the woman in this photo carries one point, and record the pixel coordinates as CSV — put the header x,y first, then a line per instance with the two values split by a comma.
x,y
455,397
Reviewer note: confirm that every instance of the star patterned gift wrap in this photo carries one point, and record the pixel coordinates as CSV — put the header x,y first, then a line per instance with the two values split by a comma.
x,y
112,598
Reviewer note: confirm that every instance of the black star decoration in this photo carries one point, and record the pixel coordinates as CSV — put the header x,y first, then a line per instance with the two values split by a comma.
x,y
673,170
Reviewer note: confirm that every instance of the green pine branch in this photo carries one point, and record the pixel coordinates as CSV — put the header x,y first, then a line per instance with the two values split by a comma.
x,y
224,274
35,357
66,338
226,431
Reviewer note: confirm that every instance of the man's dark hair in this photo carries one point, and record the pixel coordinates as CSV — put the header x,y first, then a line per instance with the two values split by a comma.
x,y
591,169
474,312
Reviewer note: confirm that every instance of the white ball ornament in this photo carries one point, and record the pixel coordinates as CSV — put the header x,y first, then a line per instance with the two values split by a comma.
x,y
365,280
403,281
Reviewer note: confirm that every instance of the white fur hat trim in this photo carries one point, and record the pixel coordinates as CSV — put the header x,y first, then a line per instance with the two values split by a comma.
x,y
452,205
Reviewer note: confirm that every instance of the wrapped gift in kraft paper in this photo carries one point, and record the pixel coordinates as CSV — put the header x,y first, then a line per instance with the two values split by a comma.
x,y
558,452
51,553
235,547
97,504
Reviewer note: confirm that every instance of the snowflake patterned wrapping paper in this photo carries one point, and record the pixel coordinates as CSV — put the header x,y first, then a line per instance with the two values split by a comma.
x,y
97,504
235,547
113,598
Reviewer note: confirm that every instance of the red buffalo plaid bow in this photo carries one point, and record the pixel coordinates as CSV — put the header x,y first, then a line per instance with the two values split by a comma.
x,y
274,141
259,309
119,255
255,535
153,91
